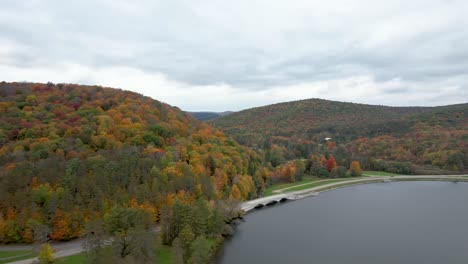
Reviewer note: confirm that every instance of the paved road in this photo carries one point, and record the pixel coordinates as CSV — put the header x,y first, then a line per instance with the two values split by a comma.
x,y
58,246
63,249
249,205
372,177
60,249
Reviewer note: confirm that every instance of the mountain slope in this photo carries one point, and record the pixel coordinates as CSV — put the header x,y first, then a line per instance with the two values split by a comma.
x,y
302,127
68,153
205,116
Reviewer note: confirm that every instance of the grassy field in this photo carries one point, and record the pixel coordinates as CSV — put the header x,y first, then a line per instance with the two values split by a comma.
x,y
269,190
378,173
164,255
10,256
75,259
314,182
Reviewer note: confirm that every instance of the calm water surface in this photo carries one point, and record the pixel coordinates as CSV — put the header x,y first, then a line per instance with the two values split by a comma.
x,y
398,222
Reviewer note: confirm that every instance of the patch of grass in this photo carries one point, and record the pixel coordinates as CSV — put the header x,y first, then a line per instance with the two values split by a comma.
x,y
10,256
164,255
74,259
269,190
378,173
211,241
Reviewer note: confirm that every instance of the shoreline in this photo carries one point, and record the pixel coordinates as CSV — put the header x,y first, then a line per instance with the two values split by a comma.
x,y
313,191
294,195
248,206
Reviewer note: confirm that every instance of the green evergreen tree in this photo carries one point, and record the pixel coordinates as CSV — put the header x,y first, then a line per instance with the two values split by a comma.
x,y
201,250
201,214
186,237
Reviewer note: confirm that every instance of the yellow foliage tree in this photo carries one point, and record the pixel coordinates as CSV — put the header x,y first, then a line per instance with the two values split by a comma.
x,y
45,255
235,192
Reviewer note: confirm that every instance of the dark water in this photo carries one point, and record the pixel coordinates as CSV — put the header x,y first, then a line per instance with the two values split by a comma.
x,y
399,222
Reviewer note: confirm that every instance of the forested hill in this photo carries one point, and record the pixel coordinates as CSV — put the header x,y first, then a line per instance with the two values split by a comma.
x,y
317,119
435,136
69,153
205,116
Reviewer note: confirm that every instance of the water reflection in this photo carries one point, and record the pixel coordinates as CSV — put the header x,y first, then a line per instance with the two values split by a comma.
x,y
398,222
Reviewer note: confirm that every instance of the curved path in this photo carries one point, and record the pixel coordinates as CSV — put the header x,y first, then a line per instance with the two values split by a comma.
x,y
63,249
60,249
249,205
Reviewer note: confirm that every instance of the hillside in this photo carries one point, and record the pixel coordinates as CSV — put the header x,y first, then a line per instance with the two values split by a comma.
x,y
433,136
69,153
205,116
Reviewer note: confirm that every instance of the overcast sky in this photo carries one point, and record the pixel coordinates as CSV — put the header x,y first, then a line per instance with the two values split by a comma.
x,y
231,55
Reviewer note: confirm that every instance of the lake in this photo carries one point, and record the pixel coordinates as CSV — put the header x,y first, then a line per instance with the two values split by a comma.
x,y
397,222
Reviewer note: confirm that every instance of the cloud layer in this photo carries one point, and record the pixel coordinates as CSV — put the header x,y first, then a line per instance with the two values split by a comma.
x,y
218,55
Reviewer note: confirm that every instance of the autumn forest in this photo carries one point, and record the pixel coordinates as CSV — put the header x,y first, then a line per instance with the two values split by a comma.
x,y
75,158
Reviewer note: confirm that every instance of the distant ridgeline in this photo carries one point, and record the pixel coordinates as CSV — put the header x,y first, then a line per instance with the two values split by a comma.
x,y
205,116
405,140
70,153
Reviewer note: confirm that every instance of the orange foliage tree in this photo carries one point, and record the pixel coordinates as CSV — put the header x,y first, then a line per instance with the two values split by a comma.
x,y
355,169
235,193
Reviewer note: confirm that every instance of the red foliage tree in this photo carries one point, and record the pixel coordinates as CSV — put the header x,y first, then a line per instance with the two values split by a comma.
x,y
331,164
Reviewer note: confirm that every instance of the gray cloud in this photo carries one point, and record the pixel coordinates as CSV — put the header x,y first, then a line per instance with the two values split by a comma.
x,y
246,45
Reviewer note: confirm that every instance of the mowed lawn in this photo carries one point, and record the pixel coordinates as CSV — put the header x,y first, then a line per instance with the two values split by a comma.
x,y
311,182
269,190
10,256
164,255
75,259
379,173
